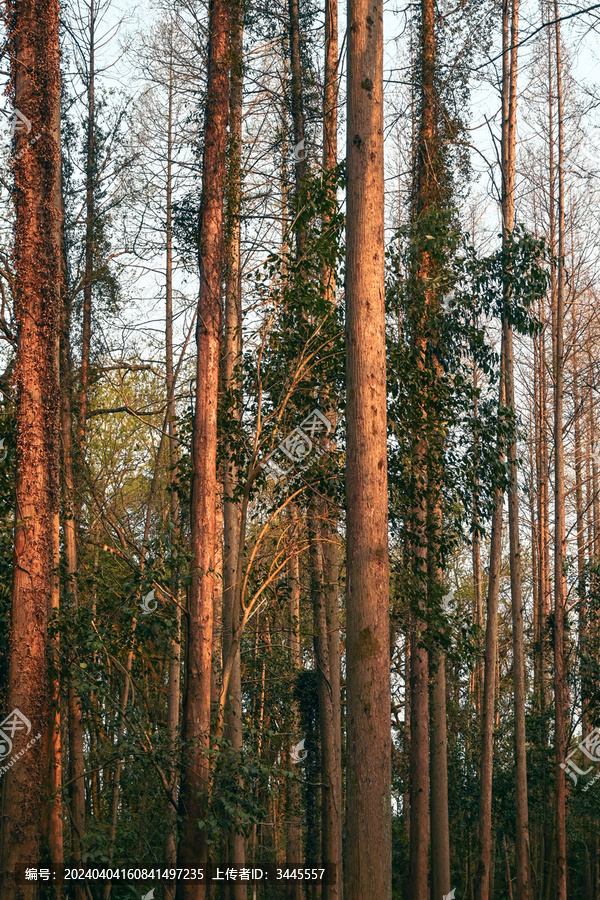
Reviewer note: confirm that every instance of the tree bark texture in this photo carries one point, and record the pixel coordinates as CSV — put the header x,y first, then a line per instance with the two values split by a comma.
x,y
195,776
560,593
33,48
485,863
232,360
368,856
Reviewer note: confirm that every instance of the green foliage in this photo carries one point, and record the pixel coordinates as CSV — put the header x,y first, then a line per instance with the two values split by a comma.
x,y
301,359
444,369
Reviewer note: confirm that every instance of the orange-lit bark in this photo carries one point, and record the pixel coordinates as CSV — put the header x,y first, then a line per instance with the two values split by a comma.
x,y
195,775
368,816
35,88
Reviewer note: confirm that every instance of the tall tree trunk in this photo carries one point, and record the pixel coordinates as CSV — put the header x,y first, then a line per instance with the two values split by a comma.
x,y
595,511
545,430
90,215
560,595
331,560
509,123
331,796
407,723
114,806
440,826
195,778
52,828
174,676
440,822
485,864
33,49
544,525
232,360
297,95
419,764
543,536
76,756
427,447
476,559
578,412
330,87
592,519
368,856
76,759
293,847
332,776
217,668
534,497
301,166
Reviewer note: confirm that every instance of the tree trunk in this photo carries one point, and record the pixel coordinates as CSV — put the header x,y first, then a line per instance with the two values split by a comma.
x,y
586,693
174,676
52,828
33,49
544,527
368,857
440,822
331,796
485,864
232,360
293,846
330,87
426,455
440,825
296,85
76,759
477,586
560,595
114,806
509,122
195,778
331,559
407,721
90,215
544,461
419,765
330,540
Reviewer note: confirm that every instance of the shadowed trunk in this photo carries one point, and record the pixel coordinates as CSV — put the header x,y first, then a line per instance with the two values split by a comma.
x,y
485,864
509,123
173,696
293,847
76,761
331,797
560,592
